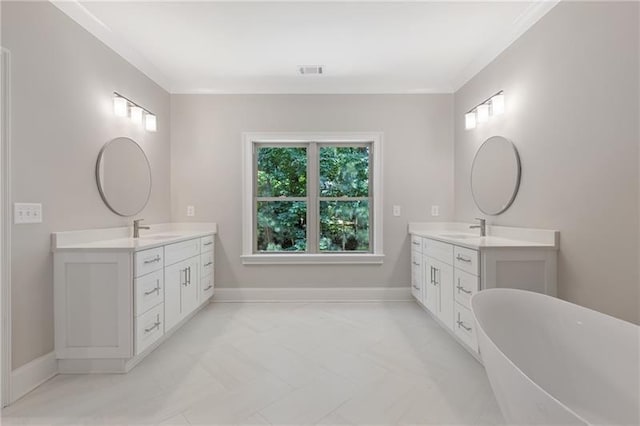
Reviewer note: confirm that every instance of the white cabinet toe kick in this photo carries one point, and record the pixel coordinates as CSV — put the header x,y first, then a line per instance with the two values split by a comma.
x,y
113,307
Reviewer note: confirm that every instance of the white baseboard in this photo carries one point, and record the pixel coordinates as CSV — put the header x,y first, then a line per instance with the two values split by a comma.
x,y
335,294
26,378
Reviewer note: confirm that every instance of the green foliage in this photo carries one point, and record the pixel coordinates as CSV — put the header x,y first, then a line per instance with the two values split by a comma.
x,y
282,226
282,172
344,224
344,171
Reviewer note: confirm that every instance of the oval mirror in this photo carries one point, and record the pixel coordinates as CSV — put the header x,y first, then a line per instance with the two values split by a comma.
x,y
495,175
124,176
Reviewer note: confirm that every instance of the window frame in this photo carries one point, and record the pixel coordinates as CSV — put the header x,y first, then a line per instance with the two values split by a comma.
x,y
249,232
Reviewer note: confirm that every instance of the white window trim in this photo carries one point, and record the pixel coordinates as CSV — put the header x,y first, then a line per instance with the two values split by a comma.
x,y
248,257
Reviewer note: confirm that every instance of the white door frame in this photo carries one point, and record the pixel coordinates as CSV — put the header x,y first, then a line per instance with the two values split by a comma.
x,y
5,225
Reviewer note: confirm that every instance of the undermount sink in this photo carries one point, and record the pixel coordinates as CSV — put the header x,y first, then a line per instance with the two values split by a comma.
x,y
159,236
459,236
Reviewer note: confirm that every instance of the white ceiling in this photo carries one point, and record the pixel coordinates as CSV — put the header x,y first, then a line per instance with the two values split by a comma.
x,y
256,47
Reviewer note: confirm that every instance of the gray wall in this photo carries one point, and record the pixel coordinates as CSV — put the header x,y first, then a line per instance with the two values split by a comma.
x,y
571,86
206,154
62,84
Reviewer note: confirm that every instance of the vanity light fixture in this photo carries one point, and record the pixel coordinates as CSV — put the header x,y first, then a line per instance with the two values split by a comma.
x,y
497,104
122,105
150,122
480,113
136,114
470,120
119,106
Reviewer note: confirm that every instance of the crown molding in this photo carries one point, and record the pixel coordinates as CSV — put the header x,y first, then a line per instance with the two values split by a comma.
x,y
81,15
76,11
525,21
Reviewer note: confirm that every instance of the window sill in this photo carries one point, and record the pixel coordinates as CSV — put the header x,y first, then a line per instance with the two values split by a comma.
x,y
313,259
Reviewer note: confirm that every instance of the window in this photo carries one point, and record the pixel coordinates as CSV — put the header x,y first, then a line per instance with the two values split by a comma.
x,y
312,199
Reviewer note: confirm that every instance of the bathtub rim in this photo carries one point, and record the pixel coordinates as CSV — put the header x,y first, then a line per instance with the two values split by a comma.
x,y
509,361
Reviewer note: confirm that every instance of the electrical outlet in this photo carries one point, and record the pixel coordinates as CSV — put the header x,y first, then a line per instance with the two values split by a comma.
x,y
191,211
27,213
435,210
396,210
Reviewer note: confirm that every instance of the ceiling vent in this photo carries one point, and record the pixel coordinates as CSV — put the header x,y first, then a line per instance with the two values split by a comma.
x,y
310,69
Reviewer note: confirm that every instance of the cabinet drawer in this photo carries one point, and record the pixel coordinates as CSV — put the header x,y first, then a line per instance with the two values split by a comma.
x,y
148,261
416,243
416,276
149,328
466,285
149,291
438,250
206,244
179,251
206,288
466,259
465,327
206,264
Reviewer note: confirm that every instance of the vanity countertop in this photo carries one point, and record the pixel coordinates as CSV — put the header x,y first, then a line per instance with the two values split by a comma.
x,y
109,239
498,236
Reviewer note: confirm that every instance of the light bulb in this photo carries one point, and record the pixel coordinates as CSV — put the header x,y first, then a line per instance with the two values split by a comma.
x,y
497,104
136,114
483,113
119,106
470,120
150,122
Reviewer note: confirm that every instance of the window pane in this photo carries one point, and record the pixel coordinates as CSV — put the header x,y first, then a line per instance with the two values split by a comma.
x,y
282,225
344,171
282,172
344,225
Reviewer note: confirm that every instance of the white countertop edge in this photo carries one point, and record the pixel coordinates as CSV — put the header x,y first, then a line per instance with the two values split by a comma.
x,y
120,238
498,236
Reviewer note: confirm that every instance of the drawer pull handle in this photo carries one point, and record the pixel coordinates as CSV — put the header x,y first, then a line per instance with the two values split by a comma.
x,y
416,263
147,293
415,243
187,276
462,258
208,244
208,264
210,286
461,324
462,289
154,326
154,260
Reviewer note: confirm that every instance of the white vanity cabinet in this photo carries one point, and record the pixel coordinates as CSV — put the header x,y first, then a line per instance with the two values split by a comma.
x,y
448,267
181,292
116,300
207,261
416,268
181,277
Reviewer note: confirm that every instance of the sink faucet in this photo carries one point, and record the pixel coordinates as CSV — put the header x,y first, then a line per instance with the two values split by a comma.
x,y
137,227
482,226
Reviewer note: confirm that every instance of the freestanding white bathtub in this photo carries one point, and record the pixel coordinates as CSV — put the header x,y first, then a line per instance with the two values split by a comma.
x,y
553,362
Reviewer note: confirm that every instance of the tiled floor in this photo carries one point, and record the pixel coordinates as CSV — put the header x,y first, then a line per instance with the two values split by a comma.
x,y
283,363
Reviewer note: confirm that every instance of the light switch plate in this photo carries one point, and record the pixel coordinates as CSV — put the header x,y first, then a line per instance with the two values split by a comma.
x,y
27,213
191,211
396,210
435,210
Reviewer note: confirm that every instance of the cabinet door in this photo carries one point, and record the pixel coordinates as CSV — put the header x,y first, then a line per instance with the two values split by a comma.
x,y
189,291
443,276
175,277
431,290
181,290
